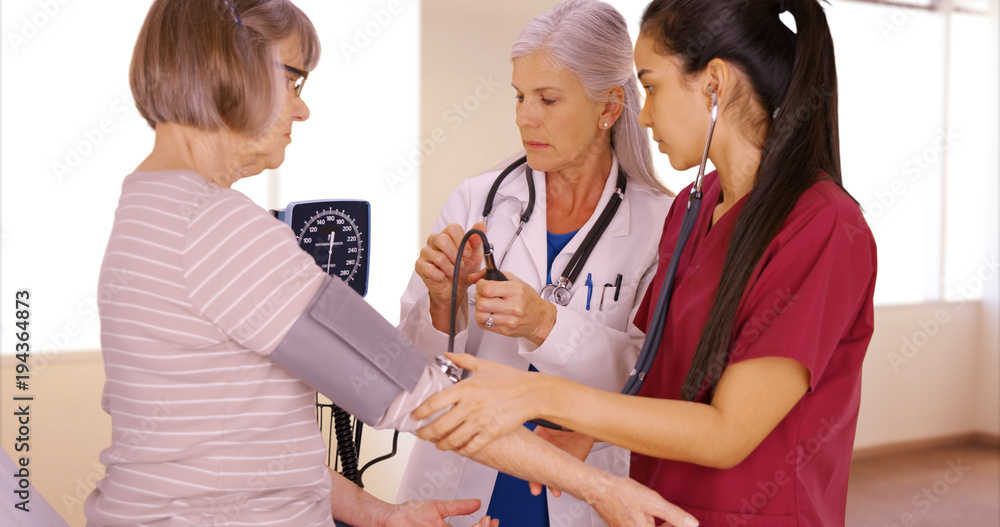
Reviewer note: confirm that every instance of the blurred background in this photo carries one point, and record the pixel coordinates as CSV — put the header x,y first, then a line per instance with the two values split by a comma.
x,y
410,97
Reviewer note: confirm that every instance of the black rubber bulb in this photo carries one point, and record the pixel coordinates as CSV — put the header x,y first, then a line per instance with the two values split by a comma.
x,y
492,273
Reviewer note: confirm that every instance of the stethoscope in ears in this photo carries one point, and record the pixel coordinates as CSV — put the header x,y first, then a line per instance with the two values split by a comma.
x,y
654,333
560,292
655,329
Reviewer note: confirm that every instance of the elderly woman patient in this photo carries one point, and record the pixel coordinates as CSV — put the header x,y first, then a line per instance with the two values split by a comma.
x,y
215,348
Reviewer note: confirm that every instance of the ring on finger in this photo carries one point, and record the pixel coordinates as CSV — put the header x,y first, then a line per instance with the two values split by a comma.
x,y
489,321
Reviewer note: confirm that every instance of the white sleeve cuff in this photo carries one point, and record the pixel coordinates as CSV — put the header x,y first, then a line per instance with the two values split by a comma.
x,y
399,416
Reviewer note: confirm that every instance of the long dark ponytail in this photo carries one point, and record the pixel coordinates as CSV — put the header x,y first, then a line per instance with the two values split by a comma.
x,y
793,74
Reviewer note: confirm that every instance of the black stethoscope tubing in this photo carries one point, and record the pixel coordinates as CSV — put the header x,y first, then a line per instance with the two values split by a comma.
x,y
560,292
575,265
526,215
654,331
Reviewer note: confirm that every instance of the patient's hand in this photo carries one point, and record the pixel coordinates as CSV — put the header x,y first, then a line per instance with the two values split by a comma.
x,y
431,513
623,502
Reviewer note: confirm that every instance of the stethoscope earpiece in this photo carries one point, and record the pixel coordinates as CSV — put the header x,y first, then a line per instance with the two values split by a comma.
x,y
654,333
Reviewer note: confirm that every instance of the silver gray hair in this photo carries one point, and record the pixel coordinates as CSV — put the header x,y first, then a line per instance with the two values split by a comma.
x,y
590,40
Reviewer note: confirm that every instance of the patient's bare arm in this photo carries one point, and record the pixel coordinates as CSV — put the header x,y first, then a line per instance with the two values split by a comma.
x,y
620,501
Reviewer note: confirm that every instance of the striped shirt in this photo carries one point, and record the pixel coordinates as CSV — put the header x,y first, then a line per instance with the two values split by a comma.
x,y
197,287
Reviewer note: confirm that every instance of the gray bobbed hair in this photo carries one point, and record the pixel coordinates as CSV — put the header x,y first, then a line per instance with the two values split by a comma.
x,y
590,40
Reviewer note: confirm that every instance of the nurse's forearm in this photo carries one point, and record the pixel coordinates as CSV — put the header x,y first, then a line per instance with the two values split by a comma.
x,y
751,399
666,429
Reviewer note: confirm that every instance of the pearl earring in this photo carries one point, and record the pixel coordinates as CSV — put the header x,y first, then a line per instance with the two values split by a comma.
x,y
605,125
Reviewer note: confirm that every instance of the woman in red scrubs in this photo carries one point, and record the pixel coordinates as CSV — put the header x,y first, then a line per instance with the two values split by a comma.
x,y
747,417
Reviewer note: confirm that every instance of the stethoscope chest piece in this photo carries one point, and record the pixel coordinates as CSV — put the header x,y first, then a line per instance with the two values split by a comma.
x,y
558,293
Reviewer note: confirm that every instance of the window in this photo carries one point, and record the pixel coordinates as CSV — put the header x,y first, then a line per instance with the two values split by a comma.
x,y
914,131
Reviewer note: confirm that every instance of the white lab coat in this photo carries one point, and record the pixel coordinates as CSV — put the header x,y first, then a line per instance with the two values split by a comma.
x,y
596,346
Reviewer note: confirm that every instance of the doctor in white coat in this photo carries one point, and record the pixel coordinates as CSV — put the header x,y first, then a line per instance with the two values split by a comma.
x,y
577,107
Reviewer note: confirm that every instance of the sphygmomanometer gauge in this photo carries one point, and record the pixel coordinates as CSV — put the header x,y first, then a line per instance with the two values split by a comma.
x,y
335,234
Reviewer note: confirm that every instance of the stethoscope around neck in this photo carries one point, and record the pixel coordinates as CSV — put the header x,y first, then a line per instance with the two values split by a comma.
x,y
654,333
560,292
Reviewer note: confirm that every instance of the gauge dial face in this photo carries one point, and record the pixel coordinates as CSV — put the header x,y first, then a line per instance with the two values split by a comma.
x,y
334,239
336,234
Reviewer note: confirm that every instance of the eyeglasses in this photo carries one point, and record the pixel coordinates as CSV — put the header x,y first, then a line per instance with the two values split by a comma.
x,y
300,78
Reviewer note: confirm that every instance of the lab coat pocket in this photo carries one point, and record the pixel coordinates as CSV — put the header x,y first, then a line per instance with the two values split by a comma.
x,y
605,307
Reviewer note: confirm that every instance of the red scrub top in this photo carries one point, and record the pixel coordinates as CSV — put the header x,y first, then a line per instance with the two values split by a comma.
x,y
810,299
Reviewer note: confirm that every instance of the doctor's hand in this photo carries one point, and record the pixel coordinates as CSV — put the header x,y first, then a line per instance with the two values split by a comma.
x,y
436,267
494,402
517,309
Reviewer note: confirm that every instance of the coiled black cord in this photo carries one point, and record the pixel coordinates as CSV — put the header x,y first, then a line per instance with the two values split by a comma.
x,y
346,449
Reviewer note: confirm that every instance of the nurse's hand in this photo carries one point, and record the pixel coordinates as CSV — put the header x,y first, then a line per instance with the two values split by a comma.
x,y
492,403
436,267
518,310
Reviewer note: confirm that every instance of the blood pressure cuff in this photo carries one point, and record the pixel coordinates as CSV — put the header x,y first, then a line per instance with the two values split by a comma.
x,y
344,349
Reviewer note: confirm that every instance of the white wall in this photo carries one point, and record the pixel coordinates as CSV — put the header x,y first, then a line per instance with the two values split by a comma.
x,y
920,375
465,46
